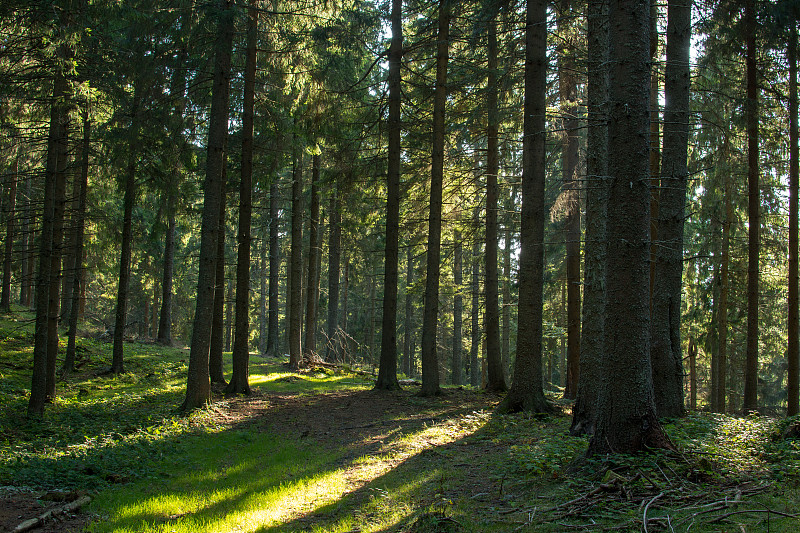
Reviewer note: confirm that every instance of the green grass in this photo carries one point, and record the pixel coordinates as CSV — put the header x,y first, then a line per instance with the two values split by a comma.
x,y
430,465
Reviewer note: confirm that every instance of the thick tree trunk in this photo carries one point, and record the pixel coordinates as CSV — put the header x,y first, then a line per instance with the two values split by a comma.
x,y
332,348
458,310
117,360
5,299
387,374
80,227
274,269
296,261
526,393
754,197
666,352
240,377
430,364
793,347
198,383
314,253
496,379
594,294
57,141
568,95
626,417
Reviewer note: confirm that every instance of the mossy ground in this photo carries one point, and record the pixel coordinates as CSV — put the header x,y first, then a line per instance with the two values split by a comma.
x,y
319,451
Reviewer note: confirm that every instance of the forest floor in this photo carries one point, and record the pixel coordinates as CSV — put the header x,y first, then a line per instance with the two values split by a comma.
x,y
320,451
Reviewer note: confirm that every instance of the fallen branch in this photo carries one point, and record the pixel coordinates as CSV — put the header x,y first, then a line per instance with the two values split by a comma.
x,y
646,507
768,511
27,525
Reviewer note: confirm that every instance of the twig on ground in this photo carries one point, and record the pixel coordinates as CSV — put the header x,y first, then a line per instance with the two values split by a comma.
x,y
27,525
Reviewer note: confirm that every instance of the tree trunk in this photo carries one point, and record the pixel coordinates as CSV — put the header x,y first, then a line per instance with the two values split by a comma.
x,y
526,393
408,363
666,352
262,294
458,309
165,317
26,264
793,347
594,294
655,142
568,96
626,416
117,360
753,237
240,377
345,336
68,262
496,380
387,373
692,374
314,253
332,349
720,383
80,227
215,362
430,364
509,235
5,299
475,317
198,383
274,269
57,145
296,264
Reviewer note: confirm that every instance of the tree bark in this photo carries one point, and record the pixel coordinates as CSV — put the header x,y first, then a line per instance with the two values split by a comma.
x,y
80,227
721,360
568,96
332,351
594,294
240,377
57,145
263,270
117,359
198,383
753,237
387,373
430,364
408,364
666,352
793,347
496,380
296,261
526,393
26,264
5,299
475,316
215,360
626,417
314,253
274,269
458,309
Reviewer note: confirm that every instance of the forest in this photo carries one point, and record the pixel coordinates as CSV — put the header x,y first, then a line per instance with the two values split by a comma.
x,y
360,265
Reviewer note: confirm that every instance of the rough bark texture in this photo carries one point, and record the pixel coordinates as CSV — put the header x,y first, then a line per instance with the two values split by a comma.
x,y
332,349
496,380
721,359
666,352
753,237
274,269
314,253
198,383
626,417
568,96
793,348
594,295
240,376
526,392
458,310
296,260
80,227
430,365
387,373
